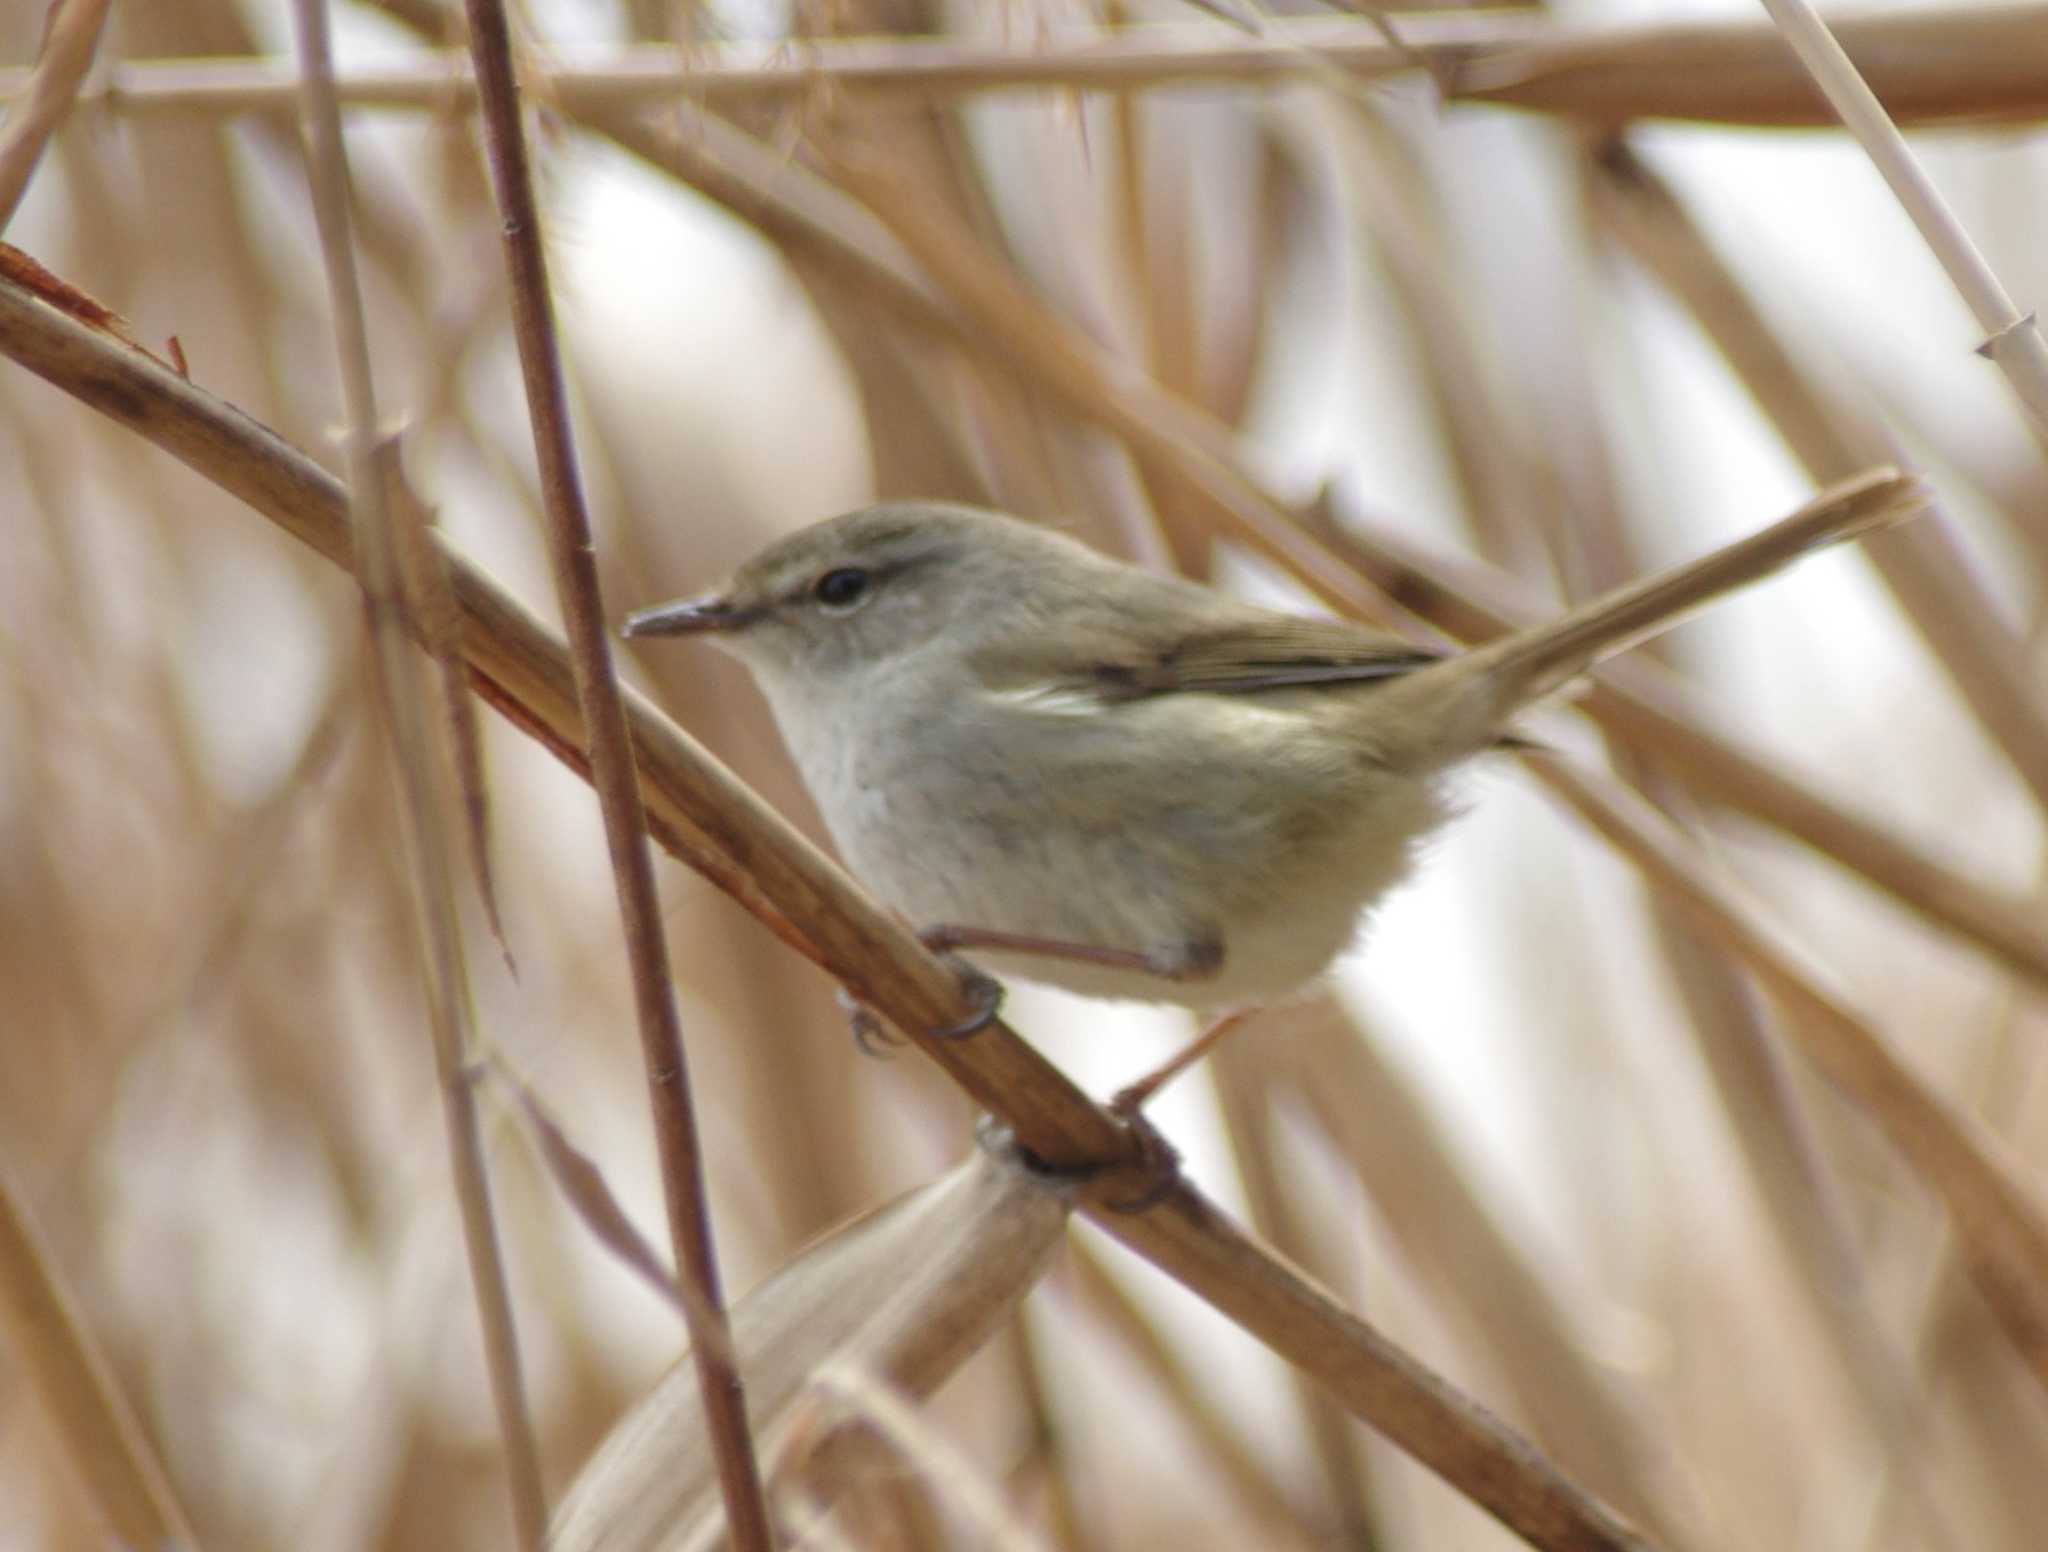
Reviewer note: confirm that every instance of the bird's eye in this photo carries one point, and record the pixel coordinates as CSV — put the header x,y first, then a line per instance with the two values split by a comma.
x,y
841,588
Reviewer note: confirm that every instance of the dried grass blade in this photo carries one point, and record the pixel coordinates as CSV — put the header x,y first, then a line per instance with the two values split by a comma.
x,y
583,1185
907,1294
77,1395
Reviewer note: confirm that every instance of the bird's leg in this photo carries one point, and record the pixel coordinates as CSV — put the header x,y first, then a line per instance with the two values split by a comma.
x,y
870,1034
1131,1099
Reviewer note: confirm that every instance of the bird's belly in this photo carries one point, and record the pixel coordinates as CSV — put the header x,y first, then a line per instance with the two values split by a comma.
x,y
1010,859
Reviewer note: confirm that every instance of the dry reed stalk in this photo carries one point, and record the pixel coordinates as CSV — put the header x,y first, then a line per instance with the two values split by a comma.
x,y
1935,65
421,780
2012,339
724,831
602,712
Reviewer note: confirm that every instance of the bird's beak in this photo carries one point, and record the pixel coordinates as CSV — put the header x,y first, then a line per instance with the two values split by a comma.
x,y
690,617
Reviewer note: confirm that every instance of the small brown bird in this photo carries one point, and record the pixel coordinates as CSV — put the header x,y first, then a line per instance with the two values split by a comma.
x,y
1127,784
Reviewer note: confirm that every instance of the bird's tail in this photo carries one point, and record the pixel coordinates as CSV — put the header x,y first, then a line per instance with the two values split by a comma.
x,y
1505,675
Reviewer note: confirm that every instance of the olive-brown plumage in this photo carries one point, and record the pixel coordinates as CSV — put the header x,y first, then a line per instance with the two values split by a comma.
x,y
1011,734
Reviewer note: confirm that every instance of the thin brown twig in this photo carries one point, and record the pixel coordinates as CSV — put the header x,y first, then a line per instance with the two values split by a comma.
x,y
612,774
717,825
418,776
70,37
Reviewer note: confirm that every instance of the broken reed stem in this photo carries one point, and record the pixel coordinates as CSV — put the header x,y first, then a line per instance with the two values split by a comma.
x,y
717,825
2012,340
1935,65
421,800
603,714
70,36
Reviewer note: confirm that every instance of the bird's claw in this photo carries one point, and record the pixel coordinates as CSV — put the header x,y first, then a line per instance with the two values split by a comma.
x,y
983,990
874,1037
870,1034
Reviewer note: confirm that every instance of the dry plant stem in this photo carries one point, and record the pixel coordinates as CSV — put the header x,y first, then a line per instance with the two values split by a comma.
x,y
70,35
612,774
76,1394
714,823
1932,65
2001,1228
422,799
2011,339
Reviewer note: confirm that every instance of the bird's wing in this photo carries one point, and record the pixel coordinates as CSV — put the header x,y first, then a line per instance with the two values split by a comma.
x,y
1230,656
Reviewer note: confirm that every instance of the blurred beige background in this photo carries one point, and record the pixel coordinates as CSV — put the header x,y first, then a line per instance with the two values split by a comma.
x,y
1719,1299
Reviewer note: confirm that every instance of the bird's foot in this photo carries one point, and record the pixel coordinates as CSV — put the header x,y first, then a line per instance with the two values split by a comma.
x,y
983,991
